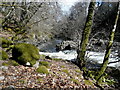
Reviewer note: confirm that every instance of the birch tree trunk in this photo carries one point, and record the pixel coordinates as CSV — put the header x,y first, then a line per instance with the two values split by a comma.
x,y
108,49
85,36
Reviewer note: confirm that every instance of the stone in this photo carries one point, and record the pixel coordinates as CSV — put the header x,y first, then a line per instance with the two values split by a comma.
x,y
66,45
2,77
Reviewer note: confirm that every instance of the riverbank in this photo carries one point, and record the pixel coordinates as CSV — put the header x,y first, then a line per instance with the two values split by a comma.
x,y
62,74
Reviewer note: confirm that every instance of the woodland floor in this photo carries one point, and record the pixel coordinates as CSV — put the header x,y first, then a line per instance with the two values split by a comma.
x,y
62,74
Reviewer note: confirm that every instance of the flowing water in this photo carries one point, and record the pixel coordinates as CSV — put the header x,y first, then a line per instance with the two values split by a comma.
x,y
72,54
91,56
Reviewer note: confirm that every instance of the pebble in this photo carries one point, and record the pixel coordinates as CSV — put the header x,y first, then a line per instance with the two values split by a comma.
x,y
2,77
36,65
28,64
3,68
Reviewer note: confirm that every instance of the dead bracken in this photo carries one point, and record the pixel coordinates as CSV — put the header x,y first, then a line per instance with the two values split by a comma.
x,y
27,77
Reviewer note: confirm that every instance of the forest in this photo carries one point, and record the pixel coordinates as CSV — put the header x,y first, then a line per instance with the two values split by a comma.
x,y
61,44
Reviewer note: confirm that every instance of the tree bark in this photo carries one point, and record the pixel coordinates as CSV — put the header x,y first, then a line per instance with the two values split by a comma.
x,y
108,49
85,36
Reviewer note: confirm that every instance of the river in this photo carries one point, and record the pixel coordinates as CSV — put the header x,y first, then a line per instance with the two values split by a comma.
x,y
48,49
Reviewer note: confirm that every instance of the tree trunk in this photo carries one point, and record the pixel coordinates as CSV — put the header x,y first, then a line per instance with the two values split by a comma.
x,y
108,49
85,36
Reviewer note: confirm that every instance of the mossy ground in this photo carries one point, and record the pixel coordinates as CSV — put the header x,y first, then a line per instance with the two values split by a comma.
x,y
10,63
3,55
44,63
78,70
42,69
5,43
88,82
75,81
65,71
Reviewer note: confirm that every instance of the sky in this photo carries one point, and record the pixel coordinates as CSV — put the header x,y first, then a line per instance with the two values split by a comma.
x,y
67,4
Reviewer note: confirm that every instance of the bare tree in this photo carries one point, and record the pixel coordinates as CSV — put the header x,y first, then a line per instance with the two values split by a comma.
x,y
85,37
108,49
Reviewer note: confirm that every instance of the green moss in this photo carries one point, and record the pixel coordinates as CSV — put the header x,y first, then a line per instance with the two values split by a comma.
x,y
10,63
56,59
24,53
5,43
3,55
85,37
65,71
91,74
22,81
75,81
5,64
42,69
78,70
88,82
0,56
44,63
39,79
62,66
42,56
110,82
13,63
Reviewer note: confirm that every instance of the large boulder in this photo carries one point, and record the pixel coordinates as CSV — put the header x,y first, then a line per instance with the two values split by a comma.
x,y
25,53
66,45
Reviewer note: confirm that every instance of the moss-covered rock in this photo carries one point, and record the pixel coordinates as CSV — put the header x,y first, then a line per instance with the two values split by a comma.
x,y
5,43
24,53
42,69
3,55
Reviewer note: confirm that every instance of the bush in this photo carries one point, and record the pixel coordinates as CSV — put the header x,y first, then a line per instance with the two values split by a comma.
x,y
24,53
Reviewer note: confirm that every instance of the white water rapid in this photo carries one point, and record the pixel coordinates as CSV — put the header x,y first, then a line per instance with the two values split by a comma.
x,y
91,56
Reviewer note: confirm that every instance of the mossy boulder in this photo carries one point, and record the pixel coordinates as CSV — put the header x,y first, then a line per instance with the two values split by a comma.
x,y
5,43
3,55
24,53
